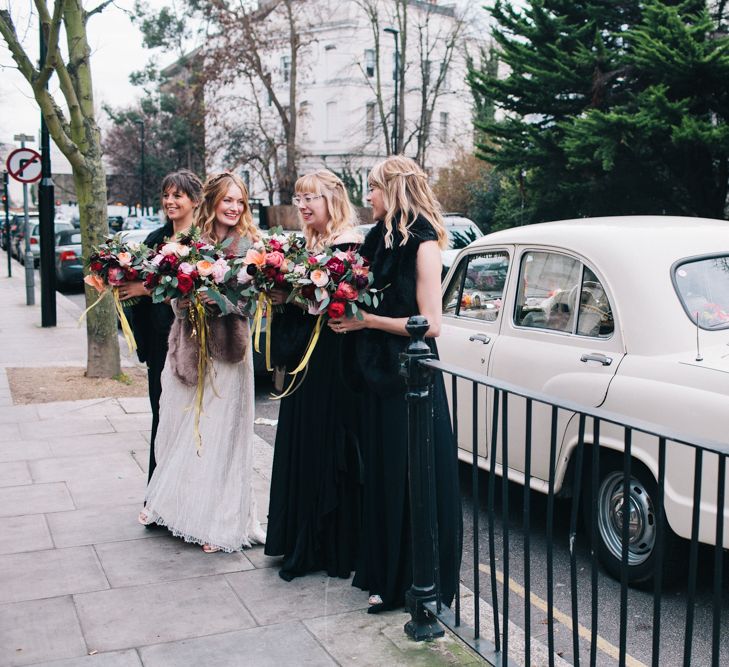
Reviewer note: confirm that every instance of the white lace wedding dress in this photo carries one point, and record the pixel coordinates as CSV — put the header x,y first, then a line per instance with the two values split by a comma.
x,y
207,499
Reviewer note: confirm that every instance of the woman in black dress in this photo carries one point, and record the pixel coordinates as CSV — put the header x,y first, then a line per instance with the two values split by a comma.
x,y
404,253
151,322
314,505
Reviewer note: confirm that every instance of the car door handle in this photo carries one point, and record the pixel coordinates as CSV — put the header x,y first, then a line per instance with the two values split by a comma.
x,y
597,356
482,338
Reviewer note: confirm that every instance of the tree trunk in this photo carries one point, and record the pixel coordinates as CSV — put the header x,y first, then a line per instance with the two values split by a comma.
x,y
101,329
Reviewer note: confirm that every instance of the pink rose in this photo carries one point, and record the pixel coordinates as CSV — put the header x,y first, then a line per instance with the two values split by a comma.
x,y
275,259
116,276
186,268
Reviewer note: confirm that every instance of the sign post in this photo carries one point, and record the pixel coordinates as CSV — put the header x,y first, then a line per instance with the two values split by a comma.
x,y
24,165
6,206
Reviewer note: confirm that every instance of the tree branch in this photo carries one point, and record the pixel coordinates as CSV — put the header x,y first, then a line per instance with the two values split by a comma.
x,y
97,10
51,26
7,30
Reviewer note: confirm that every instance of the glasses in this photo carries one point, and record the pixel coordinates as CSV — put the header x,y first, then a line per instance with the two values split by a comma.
x,y
298,200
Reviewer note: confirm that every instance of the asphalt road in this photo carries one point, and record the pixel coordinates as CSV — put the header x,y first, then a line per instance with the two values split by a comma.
x,y
640,603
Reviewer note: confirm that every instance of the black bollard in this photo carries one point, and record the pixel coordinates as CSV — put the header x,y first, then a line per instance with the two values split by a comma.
x,y
422,625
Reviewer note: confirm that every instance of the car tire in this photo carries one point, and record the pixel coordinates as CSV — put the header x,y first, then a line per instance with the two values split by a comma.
x,y
643,542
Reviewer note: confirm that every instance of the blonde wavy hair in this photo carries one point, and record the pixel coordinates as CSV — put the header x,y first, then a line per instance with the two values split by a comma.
x,y
342,215
405,191
215,188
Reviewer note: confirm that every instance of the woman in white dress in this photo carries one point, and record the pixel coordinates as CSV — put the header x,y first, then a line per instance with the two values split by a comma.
x,y
208,498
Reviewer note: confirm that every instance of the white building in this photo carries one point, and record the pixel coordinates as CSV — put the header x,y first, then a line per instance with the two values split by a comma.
x,y
340,106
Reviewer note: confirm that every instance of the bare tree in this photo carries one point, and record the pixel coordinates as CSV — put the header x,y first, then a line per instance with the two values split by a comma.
x,y
76,133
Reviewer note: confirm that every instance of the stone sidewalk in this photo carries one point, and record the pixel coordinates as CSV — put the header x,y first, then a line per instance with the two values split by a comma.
x,y
82,583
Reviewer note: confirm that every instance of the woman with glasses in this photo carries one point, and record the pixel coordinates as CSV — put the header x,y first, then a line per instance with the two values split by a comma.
x,y
404,253
206,496
314,505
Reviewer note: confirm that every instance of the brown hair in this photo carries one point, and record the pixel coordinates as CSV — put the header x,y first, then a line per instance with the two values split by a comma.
x,y
342,215
405,191
215,188
183,181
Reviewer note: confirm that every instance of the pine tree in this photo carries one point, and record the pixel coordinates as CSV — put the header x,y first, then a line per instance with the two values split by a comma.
x,y
609,108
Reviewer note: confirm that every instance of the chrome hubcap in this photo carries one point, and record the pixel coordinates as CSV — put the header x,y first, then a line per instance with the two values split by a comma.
x,y
641,518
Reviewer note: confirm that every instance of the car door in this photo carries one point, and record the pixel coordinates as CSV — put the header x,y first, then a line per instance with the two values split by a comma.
x,y
472,313
559,338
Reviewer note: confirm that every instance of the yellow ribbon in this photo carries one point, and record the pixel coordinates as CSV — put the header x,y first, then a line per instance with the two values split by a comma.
x,y
269,322
293,386
126,329
92,306
310,346
199,326
257,320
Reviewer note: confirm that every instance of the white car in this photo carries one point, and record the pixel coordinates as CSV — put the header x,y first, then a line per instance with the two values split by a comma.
x,y
630,315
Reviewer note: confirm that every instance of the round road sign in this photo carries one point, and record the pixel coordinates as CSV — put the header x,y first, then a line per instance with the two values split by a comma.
x,y
24,165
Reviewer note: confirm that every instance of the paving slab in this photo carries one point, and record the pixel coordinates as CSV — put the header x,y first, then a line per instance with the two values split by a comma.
x,y
125,423
96,525
88,493
381,641
135,404
112,465
86,408
40,630
24,450
270,646
24,533
272,600
34,499
10,432
164,558
44,574
71,425
113,659
18,413
95,444
15,473
140,615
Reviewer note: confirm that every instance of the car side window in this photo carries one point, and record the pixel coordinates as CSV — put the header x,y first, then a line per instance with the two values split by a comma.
x,y
549,285
477,286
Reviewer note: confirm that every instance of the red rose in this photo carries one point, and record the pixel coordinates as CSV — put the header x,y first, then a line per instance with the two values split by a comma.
x,y
184,283
151,281
345,291
96,267
335,310
279,279
274,244
312,260
336,267
115,276
194,275
131,274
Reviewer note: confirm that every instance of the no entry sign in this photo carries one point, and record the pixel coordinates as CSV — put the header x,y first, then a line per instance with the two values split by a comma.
x,y
24,165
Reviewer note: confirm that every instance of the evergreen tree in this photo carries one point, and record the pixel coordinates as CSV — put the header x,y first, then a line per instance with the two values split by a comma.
x,y
609,108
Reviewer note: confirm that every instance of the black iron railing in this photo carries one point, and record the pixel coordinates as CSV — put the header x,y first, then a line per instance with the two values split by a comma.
x,y
587,473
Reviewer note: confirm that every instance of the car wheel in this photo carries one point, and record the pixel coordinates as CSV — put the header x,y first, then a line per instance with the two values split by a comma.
x,y
643,526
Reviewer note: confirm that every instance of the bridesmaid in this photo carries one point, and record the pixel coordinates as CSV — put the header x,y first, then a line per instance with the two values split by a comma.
x,y
404,253
314,506
151,322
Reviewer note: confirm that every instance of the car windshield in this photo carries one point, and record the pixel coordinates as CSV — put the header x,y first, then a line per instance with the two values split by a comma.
x,y
702,286
459,236
57,227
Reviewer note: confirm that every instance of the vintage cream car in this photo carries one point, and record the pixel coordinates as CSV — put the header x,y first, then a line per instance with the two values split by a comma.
x,y
602,312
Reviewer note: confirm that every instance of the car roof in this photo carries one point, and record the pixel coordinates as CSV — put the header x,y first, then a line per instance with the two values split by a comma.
x,y
449,220
65,235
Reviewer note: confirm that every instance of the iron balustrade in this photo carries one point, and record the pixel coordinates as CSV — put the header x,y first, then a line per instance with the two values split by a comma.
x,y
418,366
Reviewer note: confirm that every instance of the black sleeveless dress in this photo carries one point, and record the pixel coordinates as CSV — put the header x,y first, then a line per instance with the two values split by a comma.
x,y
384,565
316,482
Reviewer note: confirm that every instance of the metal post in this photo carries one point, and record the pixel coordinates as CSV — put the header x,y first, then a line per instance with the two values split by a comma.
x,y
396,77
6,206
28,255
419,398
141,164
46,219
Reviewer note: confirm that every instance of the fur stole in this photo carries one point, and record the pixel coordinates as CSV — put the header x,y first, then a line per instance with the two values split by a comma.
x,y
228,341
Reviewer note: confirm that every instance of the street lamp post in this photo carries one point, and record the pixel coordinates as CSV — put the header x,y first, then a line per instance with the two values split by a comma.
x,y
141,165
396,77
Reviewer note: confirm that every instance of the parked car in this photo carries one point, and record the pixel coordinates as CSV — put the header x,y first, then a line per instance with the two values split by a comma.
x,y
461,231
69,259
35,240
627,314
115,223
148,222
17,240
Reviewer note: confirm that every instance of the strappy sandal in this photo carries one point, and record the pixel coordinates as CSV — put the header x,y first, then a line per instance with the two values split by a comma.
x,y
374,600
143,518
210,549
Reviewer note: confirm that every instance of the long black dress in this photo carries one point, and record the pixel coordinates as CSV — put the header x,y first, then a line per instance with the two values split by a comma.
x,y
314,506
151,323
385,562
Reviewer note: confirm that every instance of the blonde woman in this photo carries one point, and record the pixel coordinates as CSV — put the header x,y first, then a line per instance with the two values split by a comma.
x,y
208,499
404,253
314,506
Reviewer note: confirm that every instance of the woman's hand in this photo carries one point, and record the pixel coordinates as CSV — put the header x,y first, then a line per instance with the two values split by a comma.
x,y
278,296
130,289
183,304
345,324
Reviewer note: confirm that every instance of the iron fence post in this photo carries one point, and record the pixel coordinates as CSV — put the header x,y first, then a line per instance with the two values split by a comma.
x,y
422,625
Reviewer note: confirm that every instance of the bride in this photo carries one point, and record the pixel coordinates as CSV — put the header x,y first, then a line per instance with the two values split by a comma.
x,y
208,499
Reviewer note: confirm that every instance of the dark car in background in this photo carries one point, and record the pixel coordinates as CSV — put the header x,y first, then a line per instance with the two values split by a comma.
x,y
69,260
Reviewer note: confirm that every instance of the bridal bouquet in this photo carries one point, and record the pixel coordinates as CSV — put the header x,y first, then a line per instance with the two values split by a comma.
x,y
266,266
110,265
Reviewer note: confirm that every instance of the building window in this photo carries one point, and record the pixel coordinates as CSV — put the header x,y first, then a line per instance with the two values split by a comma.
x,y
443,130
427,66
331,121
370,120
286,67
369,62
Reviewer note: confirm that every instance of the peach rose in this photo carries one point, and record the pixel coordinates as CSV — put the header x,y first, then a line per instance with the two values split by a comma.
x,y
319,278
124,258
204,268
256,257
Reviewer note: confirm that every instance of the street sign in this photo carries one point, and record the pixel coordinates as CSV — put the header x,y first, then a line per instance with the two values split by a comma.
x,y
24,165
